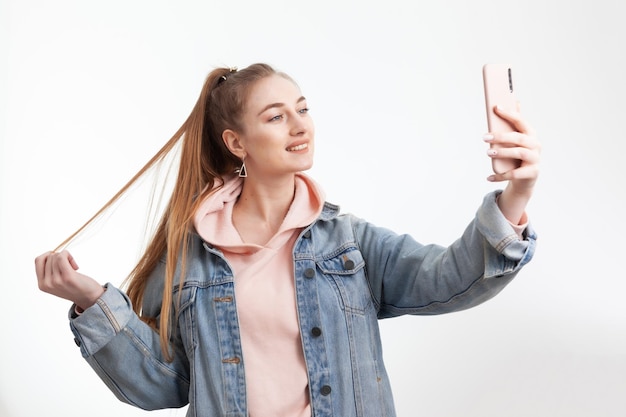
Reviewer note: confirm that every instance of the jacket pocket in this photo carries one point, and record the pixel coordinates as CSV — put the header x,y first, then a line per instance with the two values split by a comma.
x,y
345,271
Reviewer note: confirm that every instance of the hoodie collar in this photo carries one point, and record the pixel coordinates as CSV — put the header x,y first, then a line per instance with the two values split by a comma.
x,y
214,218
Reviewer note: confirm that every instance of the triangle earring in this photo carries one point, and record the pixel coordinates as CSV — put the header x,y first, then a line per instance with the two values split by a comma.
x,y
243,173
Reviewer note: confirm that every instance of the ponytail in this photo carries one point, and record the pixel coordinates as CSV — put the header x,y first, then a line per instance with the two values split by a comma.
x,y
204,161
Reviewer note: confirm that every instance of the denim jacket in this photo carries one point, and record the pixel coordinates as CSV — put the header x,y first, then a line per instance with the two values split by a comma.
x,y
348,274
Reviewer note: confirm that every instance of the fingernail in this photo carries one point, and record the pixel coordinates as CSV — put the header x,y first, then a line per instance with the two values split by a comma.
x,y
492,152
487,137
491,178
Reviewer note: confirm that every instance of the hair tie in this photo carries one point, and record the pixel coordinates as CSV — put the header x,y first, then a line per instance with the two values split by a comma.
x,y
223,77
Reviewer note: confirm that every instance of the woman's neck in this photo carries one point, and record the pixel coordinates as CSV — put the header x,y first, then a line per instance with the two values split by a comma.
x,y
262,207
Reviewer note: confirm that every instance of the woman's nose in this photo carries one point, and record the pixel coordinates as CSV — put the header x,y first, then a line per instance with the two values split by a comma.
x,y
298,125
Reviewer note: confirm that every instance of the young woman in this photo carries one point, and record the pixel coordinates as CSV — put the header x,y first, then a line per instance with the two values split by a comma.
x,y
254,296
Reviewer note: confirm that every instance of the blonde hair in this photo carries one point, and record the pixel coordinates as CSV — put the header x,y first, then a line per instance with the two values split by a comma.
x,y
204,158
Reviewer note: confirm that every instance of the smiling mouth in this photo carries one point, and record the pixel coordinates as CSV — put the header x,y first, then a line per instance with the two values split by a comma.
x,y
298,147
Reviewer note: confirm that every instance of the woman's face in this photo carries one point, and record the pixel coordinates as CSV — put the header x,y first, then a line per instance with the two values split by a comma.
x,y
278,133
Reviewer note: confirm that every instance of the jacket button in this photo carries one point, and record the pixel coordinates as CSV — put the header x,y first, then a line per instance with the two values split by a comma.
x,y
309,272
307,234
316,332
325,390
349,264
77,341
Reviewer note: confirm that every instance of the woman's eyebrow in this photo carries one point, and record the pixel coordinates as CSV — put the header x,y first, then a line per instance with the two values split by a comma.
x,y
274,105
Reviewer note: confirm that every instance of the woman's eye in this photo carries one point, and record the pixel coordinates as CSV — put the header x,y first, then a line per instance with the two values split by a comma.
x,y
304,110
277,117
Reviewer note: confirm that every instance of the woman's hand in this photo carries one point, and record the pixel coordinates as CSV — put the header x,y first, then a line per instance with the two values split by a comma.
x,y
524,146
56,275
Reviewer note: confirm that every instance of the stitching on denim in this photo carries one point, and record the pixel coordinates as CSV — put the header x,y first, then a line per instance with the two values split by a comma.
x,y
109,315
506,242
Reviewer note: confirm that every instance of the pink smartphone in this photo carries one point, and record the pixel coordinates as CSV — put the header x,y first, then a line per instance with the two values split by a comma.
x,y
498,83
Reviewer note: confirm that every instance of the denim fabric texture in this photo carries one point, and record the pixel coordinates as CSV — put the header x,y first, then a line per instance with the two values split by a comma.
x,y
348,274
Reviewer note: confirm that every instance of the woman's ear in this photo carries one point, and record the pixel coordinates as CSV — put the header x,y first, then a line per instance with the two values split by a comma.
x,y
233,143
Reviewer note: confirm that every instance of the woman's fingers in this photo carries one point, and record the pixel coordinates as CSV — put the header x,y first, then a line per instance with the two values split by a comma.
x,y
515,119
524,154
524,173
521,145
55,271
57,275
40,265
72,262
511,139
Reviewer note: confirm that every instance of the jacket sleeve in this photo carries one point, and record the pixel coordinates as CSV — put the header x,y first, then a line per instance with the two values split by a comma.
x,y
406,277
126,354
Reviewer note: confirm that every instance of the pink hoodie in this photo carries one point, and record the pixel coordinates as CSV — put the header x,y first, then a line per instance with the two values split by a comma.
x,y
276,377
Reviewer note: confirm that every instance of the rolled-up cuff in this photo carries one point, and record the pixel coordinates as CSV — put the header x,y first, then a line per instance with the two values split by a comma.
x,y
515,245
97,325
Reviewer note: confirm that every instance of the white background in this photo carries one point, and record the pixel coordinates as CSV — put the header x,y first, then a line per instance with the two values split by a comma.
x,y
91,90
